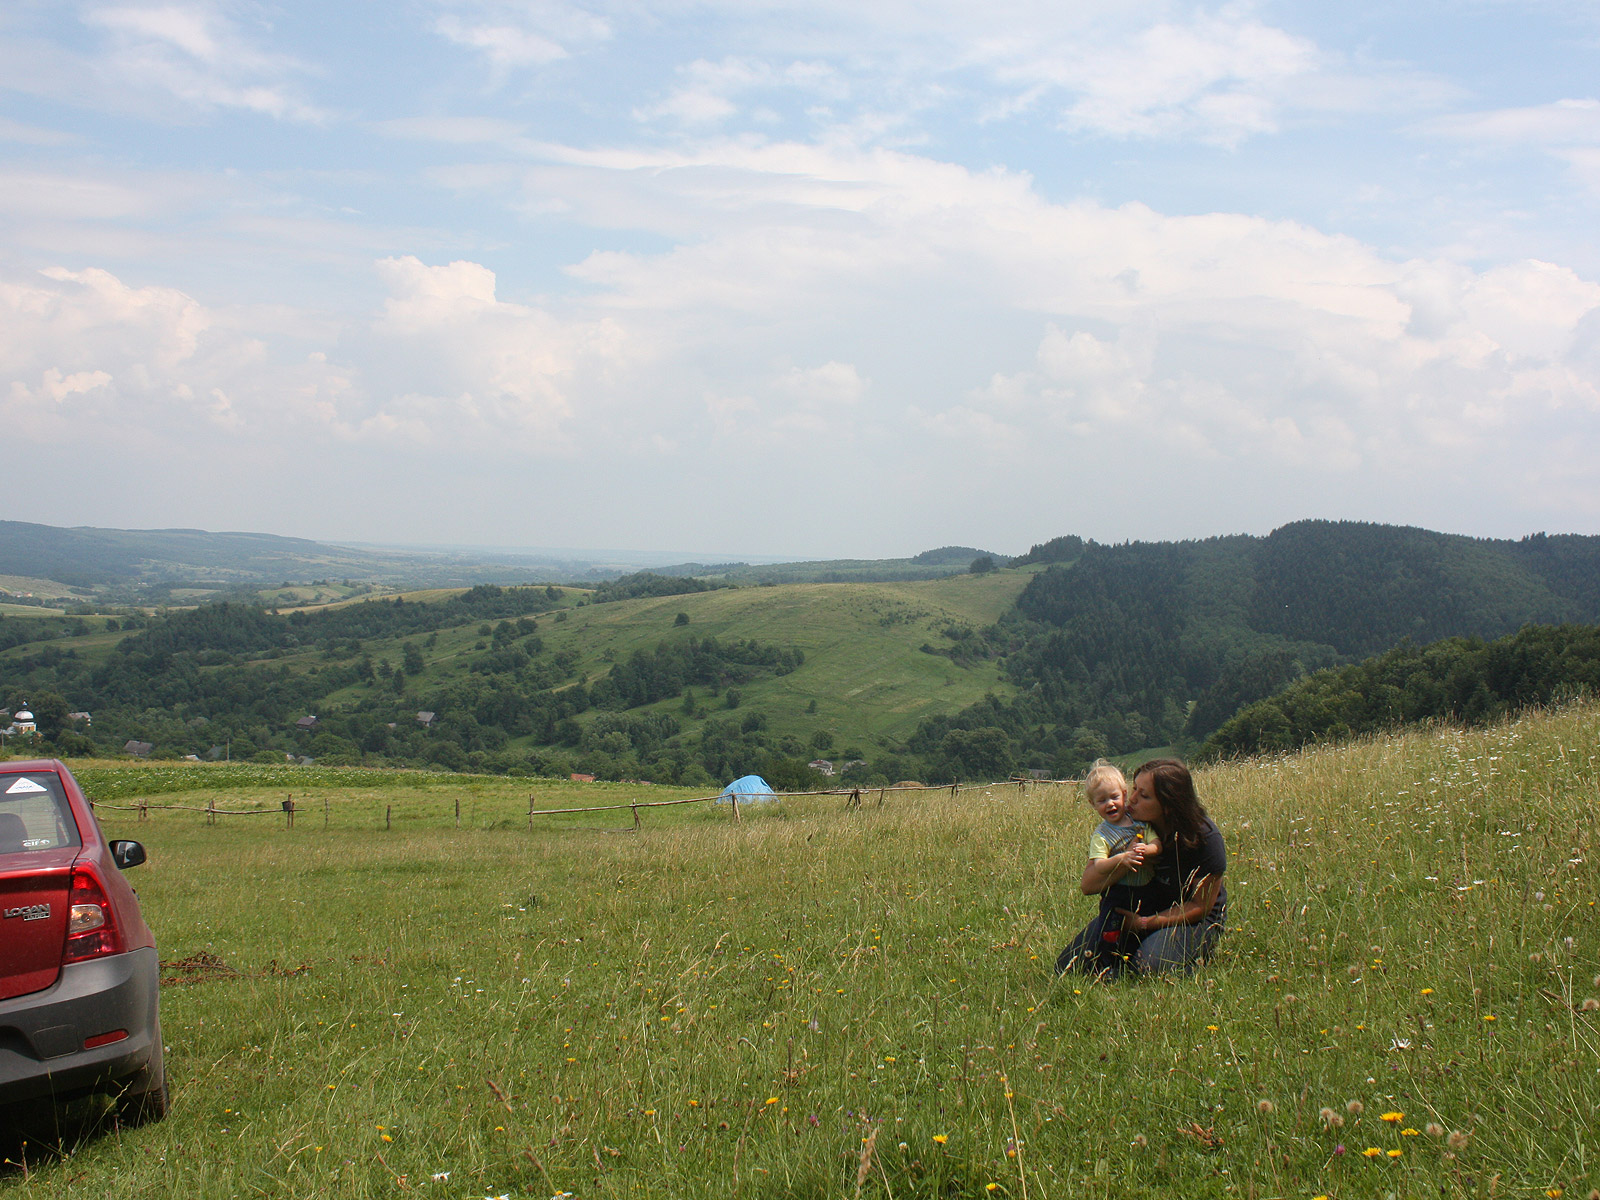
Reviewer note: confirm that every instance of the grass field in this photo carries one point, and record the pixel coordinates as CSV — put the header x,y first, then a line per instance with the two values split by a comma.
x,y
818,1002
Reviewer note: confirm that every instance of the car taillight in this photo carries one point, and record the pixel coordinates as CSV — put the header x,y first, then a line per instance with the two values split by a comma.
x,y
91,924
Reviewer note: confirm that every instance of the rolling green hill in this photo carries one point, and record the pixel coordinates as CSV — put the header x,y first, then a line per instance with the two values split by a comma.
x,y
1084,651
524,678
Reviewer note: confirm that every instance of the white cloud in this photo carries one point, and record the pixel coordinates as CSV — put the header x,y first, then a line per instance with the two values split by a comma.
x,y
1561,123
33,135
515,35
197,54
709,93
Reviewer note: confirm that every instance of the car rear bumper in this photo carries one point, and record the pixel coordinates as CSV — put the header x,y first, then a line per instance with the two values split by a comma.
x,y
42,1034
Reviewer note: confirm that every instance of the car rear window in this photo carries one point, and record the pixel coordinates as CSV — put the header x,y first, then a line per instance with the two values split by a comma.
x,y
34,814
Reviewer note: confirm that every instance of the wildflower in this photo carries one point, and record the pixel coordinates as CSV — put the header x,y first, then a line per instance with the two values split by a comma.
x,y
1591,1005
1490,1017
1265,1107
1427,991
1371,1152
387,1138
1212,1028
1458,1140
1396,1153
440,1177
772,1099
1331,1119
1140,1141
1355,1108
941,1138
1409,1133
1554,1193
1434,1129
1394,1118
1338,1150
989,1187
694,1104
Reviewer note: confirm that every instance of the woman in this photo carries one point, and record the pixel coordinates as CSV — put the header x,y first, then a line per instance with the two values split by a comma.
x,y
1177,917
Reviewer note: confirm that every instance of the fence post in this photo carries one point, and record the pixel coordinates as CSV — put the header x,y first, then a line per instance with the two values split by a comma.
x,y
734,796
324,812
211,812
530,813
144,810
953,788
288,811
635,809
388,815
458,812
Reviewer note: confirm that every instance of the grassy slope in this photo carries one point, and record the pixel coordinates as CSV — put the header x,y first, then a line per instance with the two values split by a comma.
x,y
708,1009
863,664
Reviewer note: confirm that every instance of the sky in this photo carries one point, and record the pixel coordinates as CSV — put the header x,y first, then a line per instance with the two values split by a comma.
x,y
815,280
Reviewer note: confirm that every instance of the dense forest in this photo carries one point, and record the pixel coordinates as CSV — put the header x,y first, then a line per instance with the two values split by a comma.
x,y
1463,680
1118,648
1233,643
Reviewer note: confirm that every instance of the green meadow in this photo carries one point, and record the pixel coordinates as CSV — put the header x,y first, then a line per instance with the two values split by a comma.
x,y
822,1001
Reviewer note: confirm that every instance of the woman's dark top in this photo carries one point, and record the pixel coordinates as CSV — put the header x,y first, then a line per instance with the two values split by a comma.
x,y
1180,868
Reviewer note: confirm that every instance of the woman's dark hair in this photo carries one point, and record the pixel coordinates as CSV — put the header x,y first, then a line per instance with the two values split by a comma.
x,y
1180,805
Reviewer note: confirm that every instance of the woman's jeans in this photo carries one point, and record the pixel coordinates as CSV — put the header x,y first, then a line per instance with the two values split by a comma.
x,y
1177,947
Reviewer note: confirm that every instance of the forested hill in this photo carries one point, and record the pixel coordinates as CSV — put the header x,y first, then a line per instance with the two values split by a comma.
x,y
1140,644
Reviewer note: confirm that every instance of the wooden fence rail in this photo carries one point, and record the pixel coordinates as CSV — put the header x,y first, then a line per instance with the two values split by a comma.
x,y
853,798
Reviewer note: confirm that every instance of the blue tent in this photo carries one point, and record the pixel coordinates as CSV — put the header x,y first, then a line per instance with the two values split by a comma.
x,y
749,789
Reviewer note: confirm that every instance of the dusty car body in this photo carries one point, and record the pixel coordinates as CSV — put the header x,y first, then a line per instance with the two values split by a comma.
x,y
79,972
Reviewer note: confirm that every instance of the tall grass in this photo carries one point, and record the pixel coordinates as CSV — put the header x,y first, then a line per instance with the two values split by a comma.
x,y
820,1002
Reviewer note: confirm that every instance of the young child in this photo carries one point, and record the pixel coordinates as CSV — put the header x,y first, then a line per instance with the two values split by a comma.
x,y
1121,851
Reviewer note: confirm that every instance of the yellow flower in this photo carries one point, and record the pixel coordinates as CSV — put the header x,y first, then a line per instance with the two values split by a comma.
x,y
1410,1133
1212,1028
941,1138
1371,1152
989,1187
1553,1193
387,1138
1394,1118
772,1099
1396,1153
1427,991
1490,1017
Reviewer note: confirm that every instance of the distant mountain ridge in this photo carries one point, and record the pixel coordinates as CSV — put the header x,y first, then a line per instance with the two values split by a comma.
x,y
88,559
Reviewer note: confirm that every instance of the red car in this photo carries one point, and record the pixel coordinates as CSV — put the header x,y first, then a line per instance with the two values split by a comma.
x,y
78,966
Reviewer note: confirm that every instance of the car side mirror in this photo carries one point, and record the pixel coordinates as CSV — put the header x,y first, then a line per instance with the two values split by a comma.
x,y
127,854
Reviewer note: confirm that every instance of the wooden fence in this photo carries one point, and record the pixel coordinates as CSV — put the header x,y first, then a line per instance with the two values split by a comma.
x,y
853,799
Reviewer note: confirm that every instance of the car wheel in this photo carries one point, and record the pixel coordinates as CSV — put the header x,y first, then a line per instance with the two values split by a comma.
x,y
144,1098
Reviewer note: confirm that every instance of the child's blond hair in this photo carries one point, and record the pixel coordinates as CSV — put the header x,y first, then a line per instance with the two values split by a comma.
x,y
1101,778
